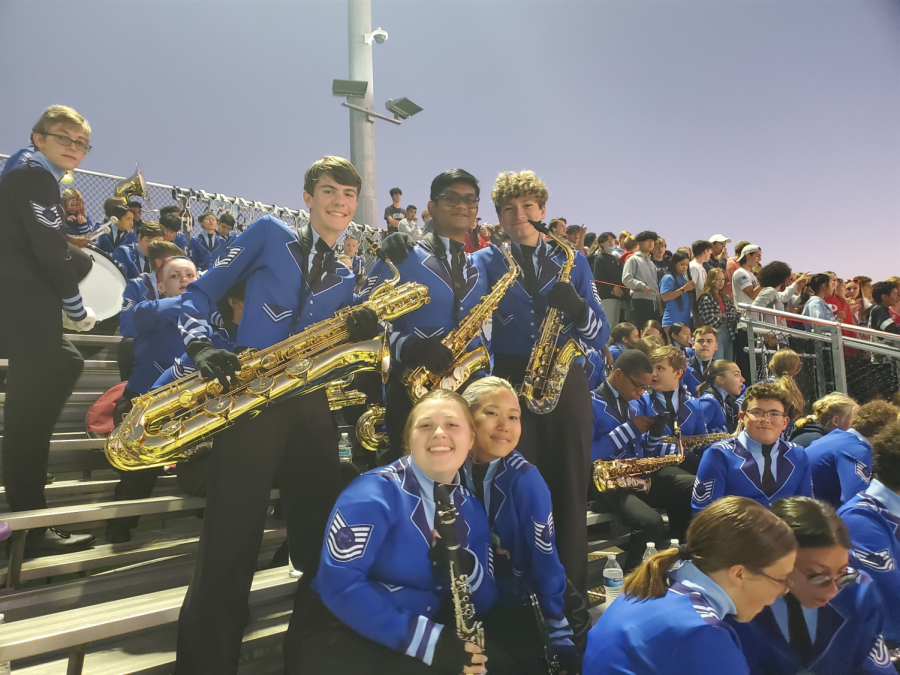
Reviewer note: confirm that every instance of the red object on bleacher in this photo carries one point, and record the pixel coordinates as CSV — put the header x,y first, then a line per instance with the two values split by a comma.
x,y
99,419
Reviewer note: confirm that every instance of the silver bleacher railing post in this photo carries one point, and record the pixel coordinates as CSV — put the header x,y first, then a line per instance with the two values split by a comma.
x,y
751,348
837,359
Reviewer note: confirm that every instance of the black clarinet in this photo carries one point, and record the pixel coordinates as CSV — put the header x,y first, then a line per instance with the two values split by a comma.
x,y
551,660
467,627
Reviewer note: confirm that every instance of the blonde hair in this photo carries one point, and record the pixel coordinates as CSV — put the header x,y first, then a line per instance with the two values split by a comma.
x,y
648,344
436,395
730,531
57,114
511,185
711,278
672,354
784,361
72,195
480,388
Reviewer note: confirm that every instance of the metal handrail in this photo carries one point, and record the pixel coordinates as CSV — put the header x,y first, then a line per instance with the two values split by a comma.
x,y
818,322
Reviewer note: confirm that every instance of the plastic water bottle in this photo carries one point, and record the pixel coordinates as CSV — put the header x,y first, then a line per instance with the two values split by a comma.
x,y
345,449
612,578
4,667
673,543
649,552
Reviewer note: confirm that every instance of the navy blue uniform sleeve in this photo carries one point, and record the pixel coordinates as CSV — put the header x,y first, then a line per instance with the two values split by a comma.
x,y
875,551
356,531
606,445
710,483
150,314
548,578
805,487
200,297
715,418
594,329
41,215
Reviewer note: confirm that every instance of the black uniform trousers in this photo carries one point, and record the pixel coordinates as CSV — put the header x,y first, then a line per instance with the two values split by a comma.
x,y
43,369
294,441
670,489
559,445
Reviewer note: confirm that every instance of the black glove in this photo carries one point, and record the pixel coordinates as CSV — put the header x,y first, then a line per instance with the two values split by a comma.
x,y
502,565
450,655
362,324
428,352
570,661
396,246
658,426
565,298
214,364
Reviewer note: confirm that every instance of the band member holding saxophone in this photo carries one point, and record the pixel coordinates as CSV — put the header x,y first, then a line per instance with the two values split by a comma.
x,y
382,602
456,285
548,316
292,280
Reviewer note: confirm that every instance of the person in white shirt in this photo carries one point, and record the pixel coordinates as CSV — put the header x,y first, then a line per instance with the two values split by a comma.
x,y
745,287
778,291
697,269
410,224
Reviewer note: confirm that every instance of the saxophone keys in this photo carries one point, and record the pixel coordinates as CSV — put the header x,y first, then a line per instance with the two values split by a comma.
x,y
185,399
299,368
261,385
218,407
172,429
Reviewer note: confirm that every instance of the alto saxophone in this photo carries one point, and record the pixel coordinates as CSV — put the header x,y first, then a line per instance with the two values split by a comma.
x,y
370,439
468,628
421,380
548,364
700,441
634,473
166,424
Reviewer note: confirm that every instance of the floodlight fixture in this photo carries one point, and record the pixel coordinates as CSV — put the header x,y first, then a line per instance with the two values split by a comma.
x,y
402,108
355,88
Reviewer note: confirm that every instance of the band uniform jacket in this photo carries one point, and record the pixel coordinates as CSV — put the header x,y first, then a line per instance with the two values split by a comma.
x,y
202,247
728,468
222,338
873,518
272,258
615,437
115,238
375,574
137,290
437,317
694,374
32,226
721,410
841,465
848,637
517,319
157,342
131,260
690,417
520,514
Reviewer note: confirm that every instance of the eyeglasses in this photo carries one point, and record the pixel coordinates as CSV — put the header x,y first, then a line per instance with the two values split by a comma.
x,y
455,199
760,414
785,584
845,577
67,142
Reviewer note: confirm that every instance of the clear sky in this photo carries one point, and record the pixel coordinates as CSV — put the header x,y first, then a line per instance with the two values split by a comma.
x,y
773,121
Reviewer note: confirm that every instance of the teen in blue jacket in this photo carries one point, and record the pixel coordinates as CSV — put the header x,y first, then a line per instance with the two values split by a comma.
x,y
705,343
721,395
672,616
671,399
134,258
456,282
292,281
622,336
382,580
873,518
202,247
520,514
841,461
831,622
121,231
757,463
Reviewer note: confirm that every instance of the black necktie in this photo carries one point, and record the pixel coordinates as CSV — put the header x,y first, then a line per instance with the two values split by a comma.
x,y
623,408
457,265
146,264
323,251
670,406
798,630
531,282
768,478
479,471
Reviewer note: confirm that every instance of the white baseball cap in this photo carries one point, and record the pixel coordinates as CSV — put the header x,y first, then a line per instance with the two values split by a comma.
x,y
716,238
748,249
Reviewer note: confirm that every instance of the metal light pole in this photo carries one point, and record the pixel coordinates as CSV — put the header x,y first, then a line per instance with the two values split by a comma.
x,y
362,126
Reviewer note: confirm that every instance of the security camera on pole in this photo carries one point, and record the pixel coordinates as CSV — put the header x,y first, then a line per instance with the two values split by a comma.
x,y
359,89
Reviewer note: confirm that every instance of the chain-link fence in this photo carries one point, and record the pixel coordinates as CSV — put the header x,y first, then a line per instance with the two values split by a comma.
x,y
857,361
96,188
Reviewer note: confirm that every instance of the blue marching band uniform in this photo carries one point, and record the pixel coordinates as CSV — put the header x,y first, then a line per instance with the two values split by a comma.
x,y
688,414
720,410
737,466
204,249
616,437
841,464
115,238
133,262
846,636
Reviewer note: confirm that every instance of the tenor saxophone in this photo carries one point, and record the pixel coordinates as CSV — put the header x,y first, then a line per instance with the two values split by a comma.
x,y
167,424
634,473
548,364
420,381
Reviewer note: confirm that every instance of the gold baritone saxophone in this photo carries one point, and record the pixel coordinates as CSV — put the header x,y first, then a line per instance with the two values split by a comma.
x,y
420,381
548,364
167,424
368,437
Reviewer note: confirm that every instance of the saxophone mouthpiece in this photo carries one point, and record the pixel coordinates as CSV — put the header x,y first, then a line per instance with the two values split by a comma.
x,y
540,226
